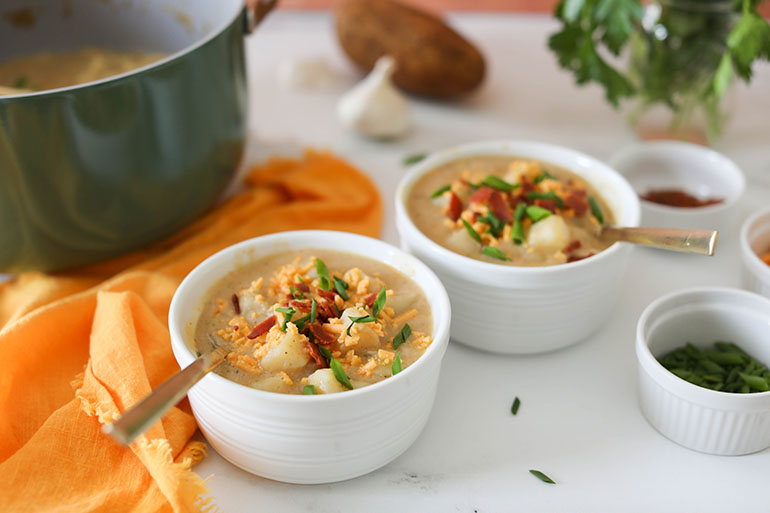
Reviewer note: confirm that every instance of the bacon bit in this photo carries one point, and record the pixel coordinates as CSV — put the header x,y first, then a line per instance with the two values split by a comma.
x,y
320,335
455,206
316,355
475,216
513,201
549,204
526,186
303,287
576,203
369,300
498,207
572,246
327,294
262,327
326,310
302,306
236,304
573,258
481,195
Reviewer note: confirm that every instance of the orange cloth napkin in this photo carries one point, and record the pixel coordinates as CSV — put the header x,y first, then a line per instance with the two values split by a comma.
x,y
77,350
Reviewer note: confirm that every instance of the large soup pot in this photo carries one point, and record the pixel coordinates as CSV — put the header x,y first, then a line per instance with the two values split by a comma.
x,y
94,170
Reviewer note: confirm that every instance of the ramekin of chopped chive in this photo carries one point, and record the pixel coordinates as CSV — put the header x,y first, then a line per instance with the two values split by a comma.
x,y
724,367
703,369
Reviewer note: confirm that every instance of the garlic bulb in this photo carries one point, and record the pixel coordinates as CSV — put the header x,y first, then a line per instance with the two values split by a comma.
x,y
375,107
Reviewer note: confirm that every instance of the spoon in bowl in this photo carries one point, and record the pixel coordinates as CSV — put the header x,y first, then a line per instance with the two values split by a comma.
x,y
144,414
699,242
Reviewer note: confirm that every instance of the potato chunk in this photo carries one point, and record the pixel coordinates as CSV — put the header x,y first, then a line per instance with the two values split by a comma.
x,y
462,242
367,338
289,353
549,235
324,381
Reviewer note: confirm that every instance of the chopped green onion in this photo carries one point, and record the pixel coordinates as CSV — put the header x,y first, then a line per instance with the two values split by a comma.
x,y
498,183
495,224
308,390
537,213
288,313
756,382
325,353
544,175
414,159
550,195
296,294
341,286
494,253
21,82
323,274
300,322
379,302
339,373
441,190
473,233
313,308
517,234
596,210
542,477
516,404
402,336
396,367
360,320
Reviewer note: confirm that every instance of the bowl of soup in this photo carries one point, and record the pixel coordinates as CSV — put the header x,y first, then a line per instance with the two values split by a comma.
x,y
511,229
119,124
334,344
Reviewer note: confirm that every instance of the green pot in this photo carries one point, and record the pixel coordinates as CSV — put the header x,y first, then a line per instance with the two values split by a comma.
x,y
92,171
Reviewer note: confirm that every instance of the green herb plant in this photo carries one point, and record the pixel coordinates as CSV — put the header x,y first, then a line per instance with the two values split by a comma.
x,y
684,59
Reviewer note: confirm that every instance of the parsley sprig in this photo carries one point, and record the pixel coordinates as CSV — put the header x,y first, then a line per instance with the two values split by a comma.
x,y
692,63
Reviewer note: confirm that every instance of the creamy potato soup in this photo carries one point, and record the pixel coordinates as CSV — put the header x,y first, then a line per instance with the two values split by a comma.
x,y
509,211
314,322
47,70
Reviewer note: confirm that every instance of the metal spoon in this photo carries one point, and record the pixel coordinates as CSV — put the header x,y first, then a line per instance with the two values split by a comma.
x,y
137,419
699,242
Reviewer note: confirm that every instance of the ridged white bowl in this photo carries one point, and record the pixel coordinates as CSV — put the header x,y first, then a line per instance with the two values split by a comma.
x,y
755,240
320,438
519,310
696,417
686,166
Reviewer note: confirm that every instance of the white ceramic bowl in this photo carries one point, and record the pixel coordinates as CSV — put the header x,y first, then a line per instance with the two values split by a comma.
x,y
320,438
696,417
518,310
696,169
755,240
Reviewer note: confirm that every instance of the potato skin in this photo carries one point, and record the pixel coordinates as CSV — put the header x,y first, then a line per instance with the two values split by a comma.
x,y
431,59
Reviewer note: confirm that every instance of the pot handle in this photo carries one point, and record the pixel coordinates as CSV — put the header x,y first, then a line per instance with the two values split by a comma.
x,y
256,10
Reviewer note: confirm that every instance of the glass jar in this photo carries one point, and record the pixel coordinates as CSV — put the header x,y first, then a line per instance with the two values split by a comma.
x,y
673,62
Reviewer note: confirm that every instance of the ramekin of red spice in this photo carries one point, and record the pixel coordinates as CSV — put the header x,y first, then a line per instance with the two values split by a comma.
x,y
682,185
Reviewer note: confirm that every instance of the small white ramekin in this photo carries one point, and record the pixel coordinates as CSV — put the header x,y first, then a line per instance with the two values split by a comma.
x,y
699,418
701,171
755,240
320,438
520,310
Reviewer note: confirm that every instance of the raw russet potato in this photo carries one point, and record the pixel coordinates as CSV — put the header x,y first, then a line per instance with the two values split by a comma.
x,y
431,58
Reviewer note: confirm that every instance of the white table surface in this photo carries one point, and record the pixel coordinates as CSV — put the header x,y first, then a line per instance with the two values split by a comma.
x,y
579,420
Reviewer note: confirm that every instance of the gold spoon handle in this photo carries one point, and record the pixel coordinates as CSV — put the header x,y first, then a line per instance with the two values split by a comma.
x,y
137,419
699,242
